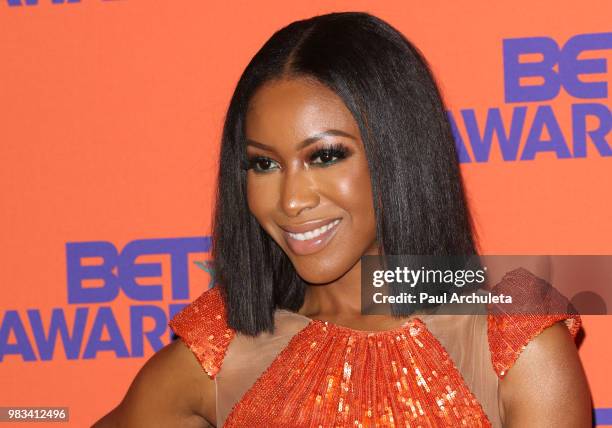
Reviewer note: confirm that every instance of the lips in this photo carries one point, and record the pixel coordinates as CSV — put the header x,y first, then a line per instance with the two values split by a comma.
x,y
311,237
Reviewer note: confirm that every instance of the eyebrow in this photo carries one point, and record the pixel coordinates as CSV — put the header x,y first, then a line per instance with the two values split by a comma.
x,y
308,141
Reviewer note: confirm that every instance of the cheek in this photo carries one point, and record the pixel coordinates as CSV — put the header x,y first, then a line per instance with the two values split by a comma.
x,y
260,197
351,189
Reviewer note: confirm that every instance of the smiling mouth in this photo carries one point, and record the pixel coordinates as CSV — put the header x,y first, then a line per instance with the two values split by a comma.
x,y
311,241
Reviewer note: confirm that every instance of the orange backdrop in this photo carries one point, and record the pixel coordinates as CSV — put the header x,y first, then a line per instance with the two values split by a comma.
x,y
110,120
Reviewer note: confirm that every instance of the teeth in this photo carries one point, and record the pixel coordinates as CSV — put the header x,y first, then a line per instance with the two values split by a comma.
x,y
313,233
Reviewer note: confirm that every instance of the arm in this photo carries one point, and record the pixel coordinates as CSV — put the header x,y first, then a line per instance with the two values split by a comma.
x,y
170,390
546,387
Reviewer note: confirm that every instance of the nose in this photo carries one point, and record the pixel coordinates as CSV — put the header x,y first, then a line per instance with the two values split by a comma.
x,y
299,193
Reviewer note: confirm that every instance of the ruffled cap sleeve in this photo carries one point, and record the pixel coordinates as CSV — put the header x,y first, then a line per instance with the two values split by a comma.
x,y
536,306
202,326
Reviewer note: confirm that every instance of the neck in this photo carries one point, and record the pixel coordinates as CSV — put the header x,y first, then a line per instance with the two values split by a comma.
x,y
340,298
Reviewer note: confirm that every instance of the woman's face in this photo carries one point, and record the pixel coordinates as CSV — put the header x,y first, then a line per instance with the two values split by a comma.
x,y
308,183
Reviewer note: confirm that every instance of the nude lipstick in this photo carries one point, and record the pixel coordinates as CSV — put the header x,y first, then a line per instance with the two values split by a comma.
x,y
310,237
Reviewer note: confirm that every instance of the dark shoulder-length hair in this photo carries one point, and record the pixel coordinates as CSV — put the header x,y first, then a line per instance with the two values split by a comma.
x,y
386,84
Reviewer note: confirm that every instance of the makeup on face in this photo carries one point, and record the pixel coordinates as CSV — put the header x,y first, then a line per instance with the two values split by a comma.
x,y
308,182
308,238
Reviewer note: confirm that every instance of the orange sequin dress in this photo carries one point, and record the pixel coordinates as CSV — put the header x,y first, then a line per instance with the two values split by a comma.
x,y
433,371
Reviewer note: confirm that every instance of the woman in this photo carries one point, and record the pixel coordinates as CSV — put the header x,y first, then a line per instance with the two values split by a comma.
x,y
335,146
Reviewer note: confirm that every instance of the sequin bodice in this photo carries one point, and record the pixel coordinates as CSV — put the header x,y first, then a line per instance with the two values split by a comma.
x,y
344,379
318,374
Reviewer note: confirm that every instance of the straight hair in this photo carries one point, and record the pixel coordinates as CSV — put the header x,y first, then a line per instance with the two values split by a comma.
x,y
420,204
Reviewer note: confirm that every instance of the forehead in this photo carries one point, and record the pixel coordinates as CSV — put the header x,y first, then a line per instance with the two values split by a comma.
x,y
294,109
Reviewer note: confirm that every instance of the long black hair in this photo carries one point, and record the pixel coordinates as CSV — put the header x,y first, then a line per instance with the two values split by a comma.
x,y
420,205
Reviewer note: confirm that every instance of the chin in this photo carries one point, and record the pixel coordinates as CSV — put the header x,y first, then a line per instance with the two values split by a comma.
x,y
321,271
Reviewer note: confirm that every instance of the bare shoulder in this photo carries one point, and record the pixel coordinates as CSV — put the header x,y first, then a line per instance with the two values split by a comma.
x,y
546,377
171,389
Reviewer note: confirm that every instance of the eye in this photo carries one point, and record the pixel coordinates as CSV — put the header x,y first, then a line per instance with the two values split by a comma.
x,y
328,155
261,164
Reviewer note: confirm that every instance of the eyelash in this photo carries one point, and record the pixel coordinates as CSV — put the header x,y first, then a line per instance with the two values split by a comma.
x,y
336,150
